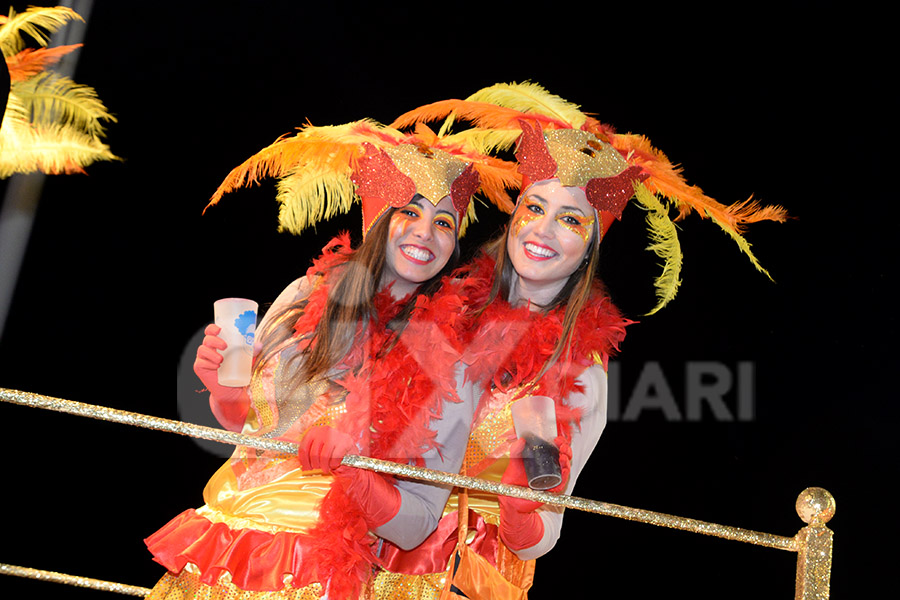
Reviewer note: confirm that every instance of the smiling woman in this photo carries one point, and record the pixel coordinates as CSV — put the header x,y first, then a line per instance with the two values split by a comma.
x,y
550,236
421,241
546,326
360,356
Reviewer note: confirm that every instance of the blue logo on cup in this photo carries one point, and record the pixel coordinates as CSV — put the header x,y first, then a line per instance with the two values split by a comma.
x,y
245,323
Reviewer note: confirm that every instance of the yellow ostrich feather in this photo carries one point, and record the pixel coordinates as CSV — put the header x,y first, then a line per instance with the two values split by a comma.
x,y
664,243
530,97
328,148
742,243
52,98
51,123
305,199
526,97
666,179
487,141
52,148
33,22
314,168
482,114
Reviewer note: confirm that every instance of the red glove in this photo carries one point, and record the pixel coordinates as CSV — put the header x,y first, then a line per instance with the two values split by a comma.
x,y
228,404
323,448
374,493
520,525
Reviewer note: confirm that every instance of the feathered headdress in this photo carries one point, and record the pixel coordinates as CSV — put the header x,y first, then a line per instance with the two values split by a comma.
x,y
554,138
321,171
51,124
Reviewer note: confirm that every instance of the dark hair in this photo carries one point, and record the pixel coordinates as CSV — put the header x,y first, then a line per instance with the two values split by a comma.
x,y
573,295
349,303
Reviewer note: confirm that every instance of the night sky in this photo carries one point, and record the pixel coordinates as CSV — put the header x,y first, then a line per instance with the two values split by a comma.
x,y
786,104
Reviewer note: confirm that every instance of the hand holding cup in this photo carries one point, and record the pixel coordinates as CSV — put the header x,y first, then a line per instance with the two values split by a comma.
x,y
236,318
534,418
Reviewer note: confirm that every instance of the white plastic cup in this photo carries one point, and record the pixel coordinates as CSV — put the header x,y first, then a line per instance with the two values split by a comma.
x,y
534,418
237,319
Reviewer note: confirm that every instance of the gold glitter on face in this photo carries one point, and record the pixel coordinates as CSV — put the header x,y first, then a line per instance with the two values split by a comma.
x,y
525,214
421,240
413,212
578,224
530,210
547,239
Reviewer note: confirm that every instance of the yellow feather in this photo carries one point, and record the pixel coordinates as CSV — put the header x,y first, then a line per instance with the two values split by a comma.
x,y
315,150
52,98
305,199
54,150
32,22
664,243
486,141
530,97
51,124
743,244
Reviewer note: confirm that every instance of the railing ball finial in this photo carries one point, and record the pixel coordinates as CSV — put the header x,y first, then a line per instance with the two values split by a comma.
x,y
815,506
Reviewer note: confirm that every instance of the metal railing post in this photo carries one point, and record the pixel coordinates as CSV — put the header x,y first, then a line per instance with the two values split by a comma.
x,y
814,544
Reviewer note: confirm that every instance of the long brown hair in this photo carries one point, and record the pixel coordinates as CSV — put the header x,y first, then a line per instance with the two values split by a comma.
x,y
573,295
349,303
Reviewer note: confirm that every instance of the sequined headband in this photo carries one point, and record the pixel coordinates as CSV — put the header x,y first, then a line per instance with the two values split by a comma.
x,y
578,159
390,177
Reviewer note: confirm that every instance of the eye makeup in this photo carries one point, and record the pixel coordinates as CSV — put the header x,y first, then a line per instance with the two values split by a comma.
x,y
578,224
527,212
445,222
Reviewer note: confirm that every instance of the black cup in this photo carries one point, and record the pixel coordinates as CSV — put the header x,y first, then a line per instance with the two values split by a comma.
x,y
541,461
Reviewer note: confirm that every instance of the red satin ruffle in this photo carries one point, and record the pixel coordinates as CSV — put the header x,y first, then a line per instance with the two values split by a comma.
x,y
433,555
257,560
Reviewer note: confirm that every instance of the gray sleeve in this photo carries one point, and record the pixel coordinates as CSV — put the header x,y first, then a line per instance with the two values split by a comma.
x,y
422,503
584,439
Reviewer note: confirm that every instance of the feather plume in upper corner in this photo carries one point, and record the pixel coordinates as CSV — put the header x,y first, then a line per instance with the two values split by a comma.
x,y
51,124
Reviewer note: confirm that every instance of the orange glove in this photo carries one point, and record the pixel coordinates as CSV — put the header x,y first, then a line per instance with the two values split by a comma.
x,y
228,404
520,525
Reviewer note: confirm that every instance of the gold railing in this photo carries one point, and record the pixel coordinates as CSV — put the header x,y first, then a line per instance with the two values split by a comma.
x,y
815,506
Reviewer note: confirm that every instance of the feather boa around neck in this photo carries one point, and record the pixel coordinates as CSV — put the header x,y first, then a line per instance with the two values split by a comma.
x,y
509,346
396,385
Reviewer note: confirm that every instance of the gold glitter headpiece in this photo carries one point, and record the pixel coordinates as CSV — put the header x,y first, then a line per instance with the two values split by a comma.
x,y
554,138
321,171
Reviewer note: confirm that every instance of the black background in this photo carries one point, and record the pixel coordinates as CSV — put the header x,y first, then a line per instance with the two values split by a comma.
x,y
785,102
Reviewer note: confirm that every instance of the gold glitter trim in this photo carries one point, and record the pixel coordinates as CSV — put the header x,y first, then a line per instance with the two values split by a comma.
x,y
580,156
583,504
400,586
138,420
433,171
187,586
372,464
813,543
85,582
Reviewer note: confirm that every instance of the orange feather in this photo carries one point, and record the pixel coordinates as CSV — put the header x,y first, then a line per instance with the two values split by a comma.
x,y
482,114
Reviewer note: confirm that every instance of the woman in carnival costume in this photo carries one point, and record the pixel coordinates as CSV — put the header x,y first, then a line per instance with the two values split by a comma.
x,y
360,356
545,326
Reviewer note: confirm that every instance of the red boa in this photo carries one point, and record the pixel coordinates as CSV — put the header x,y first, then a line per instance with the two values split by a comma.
x,y
392,396
509,346
390,402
